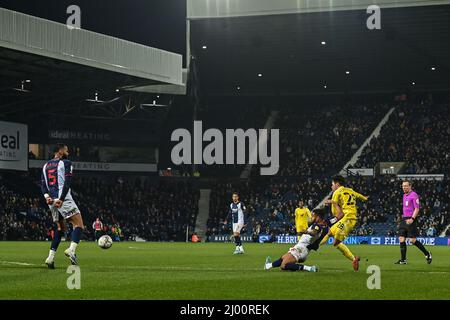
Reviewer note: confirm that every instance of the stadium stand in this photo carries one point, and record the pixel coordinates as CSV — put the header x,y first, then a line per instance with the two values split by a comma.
x,y
417,133
22,215
317,141
152,210
141,208
232,114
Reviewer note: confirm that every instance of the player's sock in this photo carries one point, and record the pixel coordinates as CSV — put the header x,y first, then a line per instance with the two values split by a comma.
x,y
51,254
237,240
56,240
293,267
307,268
403,250
419,245
277,263
324,240
73,246
76,235
345,251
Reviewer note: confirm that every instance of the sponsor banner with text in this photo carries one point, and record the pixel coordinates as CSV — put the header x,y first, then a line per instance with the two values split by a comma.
x,y
228,238
104,166
13,146
362,172
372,240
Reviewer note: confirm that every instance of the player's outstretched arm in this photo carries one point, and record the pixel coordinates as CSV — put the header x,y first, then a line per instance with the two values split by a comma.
x,y
361,197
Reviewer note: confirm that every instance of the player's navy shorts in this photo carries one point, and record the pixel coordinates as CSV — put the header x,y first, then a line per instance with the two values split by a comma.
x,y
408,230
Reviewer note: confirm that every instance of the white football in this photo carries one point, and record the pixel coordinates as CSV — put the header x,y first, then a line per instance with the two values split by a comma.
x,y
105,242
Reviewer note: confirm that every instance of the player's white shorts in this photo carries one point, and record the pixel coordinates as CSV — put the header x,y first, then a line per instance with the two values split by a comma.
x,y
67,210
237,227
299,252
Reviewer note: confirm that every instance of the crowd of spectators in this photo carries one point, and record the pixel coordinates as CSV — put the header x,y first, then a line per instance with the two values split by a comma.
x,y
217,115
22,217
320,140
156,211
226,116
129,209
417,134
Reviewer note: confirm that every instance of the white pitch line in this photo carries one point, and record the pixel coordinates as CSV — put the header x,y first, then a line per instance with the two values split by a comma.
x,y
187,268
17,263
179,268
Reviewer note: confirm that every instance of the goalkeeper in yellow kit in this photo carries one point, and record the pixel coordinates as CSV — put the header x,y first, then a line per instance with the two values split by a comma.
x,y
344,210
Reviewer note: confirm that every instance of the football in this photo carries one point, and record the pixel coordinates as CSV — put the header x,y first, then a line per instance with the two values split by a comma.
x,y
105,242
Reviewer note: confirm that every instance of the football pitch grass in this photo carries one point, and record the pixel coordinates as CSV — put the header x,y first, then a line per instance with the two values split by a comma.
x,y
131,270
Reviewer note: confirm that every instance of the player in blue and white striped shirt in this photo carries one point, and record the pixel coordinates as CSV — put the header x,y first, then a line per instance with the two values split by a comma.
x,y
236,213
56,181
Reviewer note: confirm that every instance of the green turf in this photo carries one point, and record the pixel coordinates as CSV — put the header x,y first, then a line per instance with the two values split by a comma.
x,y
210,271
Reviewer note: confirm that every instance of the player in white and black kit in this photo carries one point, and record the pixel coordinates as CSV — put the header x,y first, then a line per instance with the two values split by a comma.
x,y
56,180
309,240
236,214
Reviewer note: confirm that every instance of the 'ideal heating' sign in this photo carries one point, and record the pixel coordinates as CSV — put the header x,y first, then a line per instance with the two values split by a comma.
x,y
13,146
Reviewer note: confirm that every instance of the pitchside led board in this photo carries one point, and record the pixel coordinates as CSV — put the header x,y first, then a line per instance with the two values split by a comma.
x,y
13,146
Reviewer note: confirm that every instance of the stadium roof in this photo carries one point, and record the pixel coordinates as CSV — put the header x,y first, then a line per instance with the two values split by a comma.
x,y
46,67
201,9
324,52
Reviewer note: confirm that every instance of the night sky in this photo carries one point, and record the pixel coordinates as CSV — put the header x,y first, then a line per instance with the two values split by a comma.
x,y
156,23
